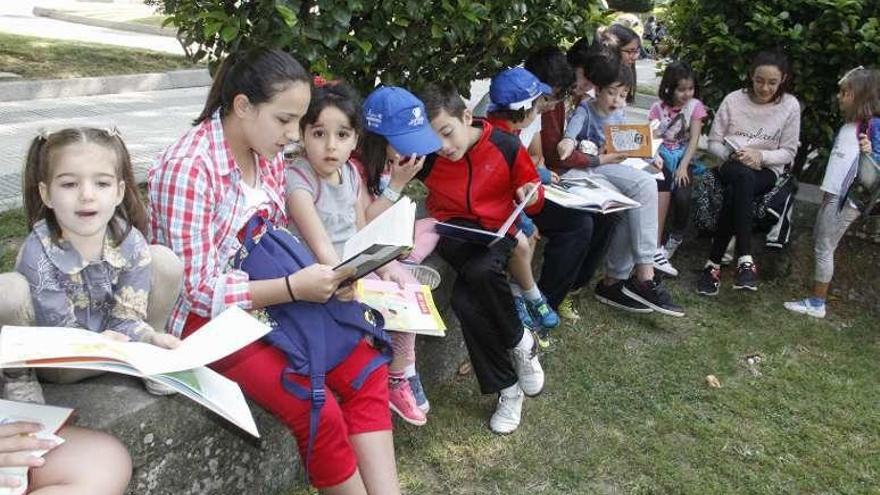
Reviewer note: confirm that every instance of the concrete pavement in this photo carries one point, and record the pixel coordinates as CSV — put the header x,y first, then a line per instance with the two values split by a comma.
x,y
148,122
16,17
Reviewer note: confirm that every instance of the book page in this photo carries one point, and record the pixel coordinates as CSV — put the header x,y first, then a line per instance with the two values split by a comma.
x,y
57,346
371,259
642,164
519,208
407,309
587,194
394,227
634,140
52,418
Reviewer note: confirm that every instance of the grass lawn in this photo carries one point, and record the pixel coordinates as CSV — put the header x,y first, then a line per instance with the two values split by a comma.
x,y
42,58
627,410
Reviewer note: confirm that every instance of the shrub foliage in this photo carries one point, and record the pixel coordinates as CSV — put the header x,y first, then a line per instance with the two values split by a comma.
x,y
823,39
408,42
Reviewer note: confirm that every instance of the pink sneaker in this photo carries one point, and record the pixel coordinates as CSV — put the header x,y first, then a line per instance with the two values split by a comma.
x,y
403,402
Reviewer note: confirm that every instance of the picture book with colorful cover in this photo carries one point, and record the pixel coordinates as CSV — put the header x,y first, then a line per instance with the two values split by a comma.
x,y
52,418
408,309
382,240
480,236
633,140
183,368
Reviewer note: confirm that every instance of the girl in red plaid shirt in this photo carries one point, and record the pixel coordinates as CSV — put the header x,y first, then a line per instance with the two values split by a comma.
x,y
203,191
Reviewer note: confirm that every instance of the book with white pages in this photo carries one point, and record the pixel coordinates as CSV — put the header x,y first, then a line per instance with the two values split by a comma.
x,y
51,417
642,164
582,193
382,240
480,236
183,368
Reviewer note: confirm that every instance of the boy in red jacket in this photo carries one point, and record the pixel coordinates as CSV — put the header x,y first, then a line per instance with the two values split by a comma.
x,y
473,181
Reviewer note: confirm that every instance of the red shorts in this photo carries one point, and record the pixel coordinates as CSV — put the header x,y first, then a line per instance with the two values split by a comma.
x,y
257,369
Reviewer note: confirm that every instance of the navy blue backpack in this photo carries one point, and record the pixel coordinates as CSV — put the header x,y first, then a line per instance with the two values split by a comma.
x,y
314,337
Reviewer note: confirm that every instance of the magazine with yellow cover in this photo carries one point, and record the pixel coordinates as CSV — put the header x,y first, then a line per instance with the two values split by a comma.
x,y
410,309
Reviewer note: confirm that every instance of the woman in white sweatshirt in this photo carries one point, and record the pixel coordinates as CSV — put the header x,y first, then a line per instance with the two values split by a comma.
x,y
756,131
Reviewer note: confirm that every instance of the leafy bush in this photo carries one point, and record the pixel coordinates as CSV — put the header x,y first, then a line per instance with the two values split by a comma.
x,y
631,5
407,42
822,38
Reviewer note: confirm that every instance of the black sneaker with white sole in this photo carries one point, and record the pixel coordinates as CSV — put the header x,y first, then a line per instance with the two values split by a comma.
x,y
709,281
652,294
613,296
746,277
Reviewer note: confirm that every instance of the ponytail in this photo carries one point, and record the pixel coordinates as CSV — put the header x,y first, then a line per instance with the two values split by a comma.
x,y
34,173
258,74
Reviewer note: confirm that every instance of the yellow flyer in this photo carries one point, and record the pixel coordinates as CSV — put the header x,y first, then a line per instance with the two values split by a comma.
x,y
410,309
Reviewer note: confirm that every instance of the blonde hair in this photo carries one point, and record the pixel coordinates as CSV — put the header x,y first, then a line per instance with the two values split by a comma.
x,y
38,168
864,84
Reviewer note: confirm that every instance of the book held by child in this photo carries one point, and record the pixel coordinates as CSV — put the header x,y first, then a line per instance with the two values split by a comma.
x,y
183,369
583,193
52,418
382,240
480,236
408,309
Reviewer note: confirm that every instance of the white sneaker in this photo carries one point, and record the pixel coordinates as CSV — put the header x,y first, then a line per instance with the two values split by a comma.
x,y
805,308
424,274
662,264
508,412
528,369
671,245
157,388
728,253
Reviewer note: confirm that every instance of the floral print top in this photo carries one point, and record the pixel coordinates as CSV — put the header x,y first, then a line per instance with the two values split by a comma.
x,y
107,294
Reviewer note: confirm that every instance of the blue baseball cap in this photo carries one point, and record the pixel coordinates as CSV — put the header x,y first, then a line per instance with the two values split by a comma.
x,y
400,117
515,89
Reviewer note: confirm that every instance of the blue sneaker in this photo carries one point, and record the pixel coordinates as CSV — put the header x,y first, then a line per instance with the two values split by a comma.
x,y
523,312
543,313
415,383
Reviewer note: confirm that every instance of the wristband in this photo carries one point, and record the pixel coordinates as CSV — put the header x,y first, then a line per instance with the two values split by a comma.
x,y
289,290
390,194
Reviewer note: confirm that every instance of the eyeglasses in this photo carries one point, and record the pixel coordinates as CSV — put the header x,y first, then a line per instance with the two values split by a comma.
x,y
631,51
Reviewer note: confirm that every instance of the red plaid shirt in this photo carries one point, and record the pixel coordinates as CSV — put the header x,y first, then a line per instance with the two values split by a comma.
x,y
198,208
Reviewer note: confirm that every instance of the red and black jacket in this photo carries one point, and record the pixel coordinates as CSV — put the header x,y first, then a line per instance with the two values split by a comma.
x,y
481,186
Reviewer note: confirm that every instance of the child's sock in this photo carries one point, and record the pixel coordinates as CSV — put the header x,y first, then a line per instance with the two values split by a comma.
x,y
409,371
816,301
532,294
710,264
515,289
746,258
527,341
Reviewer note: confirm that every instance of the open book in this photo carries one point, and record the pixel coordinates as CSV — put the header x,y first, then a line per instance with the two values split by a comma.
x,y
583,193
410,309
644,165
52,418
182,369
382,240
480,236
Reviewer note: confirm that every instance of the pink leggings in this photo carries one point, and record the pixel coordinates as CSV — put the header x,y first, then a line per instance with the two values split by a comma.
x,y
425,240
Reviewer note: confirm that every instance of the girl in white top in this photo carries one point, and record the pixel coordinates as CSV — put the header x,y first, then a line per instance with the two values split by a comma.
x,y
859,100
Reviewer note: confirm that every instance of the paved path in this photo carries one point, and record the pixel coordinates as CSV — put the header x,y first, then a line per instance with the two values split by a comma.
x,y
16,17
148,122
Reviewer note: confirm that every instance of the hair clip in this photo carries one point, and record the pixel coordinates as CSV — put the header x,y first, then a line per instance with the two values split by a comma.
x,y
321,82
112,131
849,73
42,133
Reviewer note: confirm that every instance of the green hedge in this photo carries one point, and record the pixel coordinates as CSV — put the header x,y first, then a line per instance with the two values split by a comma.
x,y
406,42
823,39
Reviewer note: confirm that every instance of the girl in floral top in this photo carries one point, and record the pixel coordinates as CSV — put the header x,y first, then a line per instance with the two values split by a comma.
x,y
87,264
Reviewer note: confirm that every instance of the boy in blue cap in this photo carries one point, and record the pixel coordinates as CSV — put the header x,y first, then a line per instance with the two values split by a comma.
x,y
473,181
514,98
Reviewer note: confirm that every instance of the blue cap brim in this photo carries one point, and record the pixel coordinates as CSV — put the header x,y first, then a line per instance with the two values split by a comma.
x,y
422,141
545,89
